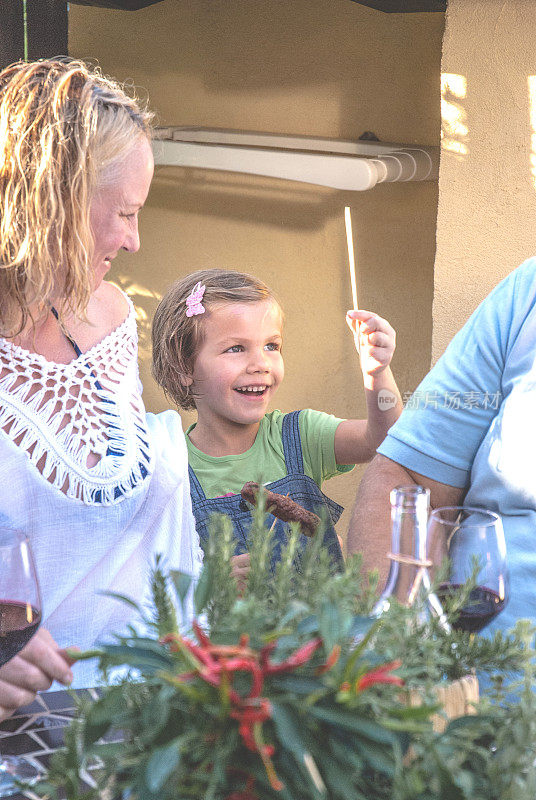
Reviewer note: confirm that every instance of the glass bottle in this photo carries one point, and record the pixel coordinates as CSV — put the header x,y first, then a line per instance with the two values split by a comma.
x,y
409,580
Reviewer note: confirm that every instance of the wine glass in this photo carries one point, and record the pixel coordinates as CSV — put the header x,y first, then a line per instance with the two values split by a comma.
x,y
20,616
467,536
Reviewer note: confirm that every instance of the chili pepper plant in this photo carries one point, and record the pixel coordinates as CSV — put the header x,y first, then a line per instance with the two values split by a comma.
x,y
293,691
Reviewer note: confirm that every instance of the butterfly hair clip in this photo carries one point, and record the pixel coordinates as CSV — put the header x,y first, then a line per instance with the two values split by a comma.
x,y
193,301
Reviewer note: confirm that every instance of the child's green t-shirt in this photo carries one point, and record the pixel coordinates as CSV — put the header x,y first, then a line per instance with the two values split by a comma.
x,y
264,462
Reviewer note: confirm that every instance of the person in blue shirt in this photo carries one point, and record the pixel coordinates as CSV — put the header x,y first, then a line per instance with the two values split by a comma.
x,y
469,435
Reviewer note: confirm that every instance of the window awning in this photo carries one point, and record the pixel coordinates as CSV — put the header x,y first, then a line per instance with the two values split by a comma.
x,y
404,6
387,6
122,5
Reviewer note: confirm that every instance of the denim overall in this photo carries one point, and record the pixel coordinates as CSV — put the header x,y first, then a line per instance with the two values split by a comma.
x,y
296,484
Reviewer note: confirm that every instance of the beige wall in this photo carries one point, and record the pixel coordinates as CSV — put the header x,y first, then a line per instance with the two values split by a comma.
x,y
319,67
487,198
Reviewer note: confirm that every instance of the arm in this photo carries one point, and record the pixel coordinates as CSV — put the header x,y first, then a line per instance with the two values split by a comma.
x,y
32,670
370,525
356,440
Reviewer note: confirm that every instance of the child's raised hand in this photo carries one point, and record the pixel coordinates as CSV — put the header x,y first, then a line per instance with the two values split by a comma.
x,y
377,340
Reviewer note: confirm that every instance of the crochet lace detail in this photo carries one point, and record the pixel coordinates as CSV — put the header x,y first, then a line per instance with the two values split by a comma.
x,y
91,443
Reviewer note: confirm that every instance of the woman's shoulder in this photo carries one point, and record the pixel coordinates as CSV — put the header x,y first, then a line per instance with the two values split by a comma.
x,y
107,310
109,305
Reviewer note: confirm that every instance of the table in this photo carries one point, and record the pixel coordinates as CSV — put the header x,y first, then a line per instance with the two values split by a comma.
x,y
36,731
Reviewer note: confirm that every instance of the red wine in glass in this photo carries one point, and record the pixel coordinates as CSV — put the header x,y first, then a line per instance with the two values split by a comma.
x,y
483,605
20,616
470,539
18,623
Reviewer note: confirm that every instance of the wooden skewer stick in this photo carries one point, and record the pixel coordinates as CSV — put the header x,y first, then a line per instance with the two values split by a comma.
x,y
351,263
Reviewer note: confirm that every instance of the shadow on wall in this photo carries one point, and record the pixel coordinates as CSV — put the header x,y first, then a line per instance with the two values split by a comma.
x,y
242,197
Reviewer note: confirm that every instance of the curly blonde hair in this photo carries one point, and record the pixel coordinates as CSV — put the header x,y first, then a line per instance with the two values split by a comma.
x,y
63,129
176,337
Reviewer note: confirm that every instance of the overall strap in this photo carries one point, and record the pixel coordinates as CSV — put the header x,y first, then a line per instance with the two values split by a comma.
x,y
290,434
196,491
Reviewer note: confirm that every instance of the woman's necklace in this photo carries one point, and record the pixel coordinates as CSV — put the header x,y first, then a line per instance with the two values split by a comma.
x,y
66,333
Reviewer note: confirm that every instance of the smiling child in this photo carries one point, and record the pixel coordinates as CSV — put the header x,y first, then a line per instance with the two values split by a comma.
x,y
217,339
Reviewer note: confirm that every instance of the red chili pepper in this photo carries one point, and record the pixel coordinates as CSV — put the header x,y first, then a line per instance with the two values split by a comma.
x,y
330,661
217,666
202,638
379,675
297,659
247,717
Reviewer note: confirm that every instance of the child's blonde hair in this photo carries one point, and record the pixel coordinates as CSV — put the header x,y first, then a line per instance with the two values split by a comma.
x,y
64,128
176,337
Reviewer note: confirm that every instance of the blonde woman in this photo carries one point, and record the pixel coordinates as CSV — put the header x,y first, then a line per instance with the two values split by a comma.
x,y
83,471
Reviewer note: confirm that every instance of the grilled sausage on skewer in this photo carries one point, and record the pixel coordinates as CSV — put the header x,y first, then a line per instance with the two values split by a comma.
x,y
284,508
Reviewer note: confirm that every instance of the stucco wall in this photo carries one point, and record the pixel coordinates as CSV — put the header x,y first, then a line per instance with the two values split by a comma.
x,y
487,198
319,67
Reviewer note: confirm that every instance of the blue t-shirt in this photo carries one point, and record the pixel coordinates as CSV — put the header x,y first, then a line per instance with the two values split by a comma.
x,y
471,423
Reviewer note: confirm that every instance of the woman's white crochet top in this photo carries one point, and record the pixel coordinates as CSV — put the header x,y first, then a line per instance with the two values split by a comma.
x,y
99,486
58,416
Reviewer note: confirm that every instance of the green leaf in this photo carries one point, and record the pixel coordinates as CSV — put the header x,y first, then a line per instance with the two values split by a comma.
x,y
344,754
111,750
162,763
415,713
470,721
103,714
154,714
182,582
45,789
379,758
337,776
297,683
351,722
407,726
203,589
122,597
164,612
289,732
360,627
84,655
307,626
358,650
149,656
333,624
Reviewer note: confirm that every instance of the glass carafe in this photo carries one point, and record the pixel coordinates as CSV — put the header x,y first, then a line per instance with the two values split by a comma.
x,y
409,580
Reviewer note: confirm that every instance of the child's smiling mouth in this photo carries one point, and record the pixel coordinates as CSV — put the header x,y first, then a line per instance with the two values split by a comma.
x,y
252,390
